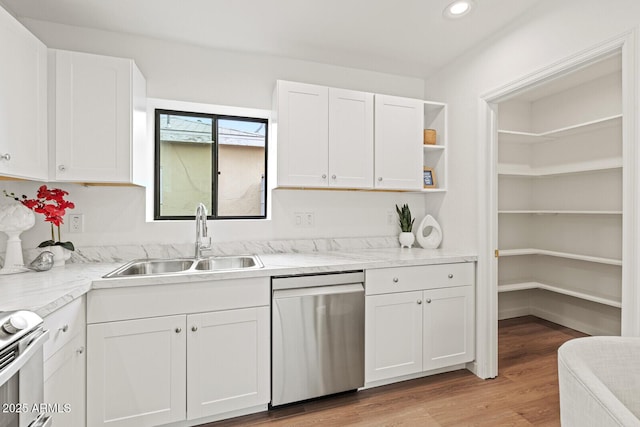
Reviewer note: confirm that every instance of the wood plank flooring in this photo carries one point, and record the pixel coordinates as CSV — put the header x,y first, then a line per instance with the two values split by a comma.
x,y
525,392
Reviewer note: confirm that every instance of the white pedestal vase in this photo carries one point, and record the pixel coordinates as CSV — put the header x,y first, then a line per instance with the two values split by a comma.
x,y
14,219
406,239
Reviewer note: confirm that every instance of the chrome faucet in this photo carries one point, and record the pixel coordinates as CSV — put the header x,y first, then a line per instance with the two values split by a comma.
x,y
201,230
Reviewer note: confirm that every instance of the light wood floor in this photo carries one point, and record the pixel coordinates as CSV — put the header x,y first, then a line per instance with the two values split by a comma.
x,y
525,392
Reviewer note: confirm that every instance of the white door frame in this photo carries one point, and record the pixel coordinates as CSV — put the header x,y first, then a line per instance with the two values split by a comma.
x,y
486,365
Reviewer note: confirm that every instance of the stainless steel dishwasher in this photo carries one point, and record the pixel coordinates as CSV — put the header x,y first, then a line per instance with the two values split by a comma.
x,y
317,335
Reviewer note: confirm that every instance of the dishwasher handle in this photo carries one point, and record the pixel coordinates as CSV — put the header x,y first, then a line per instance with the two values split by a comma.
x,y
318,290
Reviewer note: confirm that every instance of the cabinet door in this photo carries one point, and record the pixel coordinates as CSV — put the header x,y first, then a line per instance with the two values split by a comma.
x,y
302,135
93,117
449,319
398,143
228,361
23,102
64,383
350,139
393,335
136,372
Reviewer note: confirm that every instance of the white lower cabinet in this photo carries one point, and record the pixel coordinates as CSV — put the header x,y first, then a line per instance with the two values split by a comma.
x,y
136,372
175,368
393,335
65,365
412,329
227,361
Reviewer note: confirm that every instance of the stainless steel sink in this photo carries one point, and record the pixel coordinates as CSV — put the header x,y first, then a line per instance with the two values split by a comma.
x,y
153,267
228,263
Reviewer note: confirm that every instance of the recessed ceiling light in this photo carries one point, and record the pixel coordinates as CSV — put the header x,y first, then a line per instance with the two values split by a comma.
x,y
458,9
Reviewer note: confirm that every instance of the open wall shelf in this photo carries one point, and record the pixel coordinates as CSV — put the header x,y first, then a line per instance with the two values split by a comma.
x,y
518,137
566,255
577,293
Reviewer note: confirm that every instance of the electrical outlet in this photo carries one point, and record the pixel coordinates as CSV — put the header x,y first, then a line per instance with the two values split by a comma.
x,y
304,219
309,219
389,217
76,223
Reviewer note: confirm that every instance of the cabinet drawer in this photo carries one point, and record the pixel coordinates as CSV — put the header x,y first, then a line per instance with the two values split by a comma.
x,y
403,279
64,325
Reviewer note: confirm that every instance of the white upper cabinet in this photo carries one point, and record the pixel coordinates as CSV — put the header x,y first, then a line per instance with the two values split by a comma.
x,y
100,119
350,139
303,134
325,136
398,143
23,102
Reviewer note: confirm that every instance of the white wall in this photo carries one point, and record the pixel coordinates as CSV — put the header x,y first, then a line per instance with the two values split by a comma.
x,y
116,215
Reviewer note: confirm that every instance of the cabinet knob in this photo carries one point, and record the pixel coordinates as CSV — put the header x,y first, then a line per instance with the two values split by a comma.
x,y
428,300
324,176
65,328
62,168
178,330
194,328
80,350
395,280
419,301
6,156
379,178
450,276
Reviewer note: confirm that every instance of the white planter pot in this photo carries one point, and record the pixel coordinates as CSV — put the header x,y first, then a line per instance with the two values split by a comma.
x,y
406,239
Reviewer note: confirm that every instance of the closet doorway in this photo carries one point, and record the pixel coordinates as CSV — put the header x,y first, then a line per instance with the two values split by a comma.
x,y
560,199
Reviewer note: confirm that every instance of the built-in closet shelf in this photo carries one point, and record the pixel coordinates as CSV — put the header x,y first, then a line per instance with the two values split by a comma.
x,y
566,255
558,212
517,137
560,290
573,168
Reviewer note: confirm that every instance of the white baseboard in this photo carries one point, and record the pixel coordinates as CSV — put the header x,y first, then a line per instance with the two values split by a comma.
x,y
569,322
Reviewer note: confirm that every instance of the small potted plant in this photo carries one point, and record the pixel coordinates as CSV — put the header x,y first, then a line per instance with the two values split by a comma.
x,y
51,204
405,220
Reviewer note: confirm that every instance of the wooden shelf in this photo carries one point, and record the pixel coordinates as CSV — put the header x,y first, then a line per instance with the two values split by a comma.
x,y
559,212
566,255
517,137
601,299
598,165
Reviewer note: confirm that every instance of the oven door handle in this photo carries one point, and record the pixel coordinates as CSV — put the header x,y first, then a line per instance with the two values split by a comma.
x,y
23,358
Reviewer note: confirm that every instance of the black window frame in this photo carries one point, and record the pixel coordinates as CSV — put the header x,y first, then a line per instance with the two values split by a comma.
x,y
213,209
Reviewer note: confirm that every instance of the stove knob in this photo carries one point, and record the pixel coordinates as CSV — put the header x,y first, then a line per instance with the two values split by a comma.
x,y
14,325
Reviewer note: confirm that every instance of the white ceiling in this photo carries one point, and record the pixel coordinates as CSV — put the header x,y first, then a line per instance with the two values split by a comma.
x,y
406,37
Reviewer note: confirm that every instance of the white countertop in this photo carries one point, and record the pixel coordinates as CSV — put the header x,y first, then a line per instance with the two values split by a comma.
x,y
45,292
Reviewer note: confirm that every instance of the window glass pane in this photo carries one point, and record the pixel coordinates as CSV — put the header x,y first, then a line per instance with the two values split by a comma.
x,y
186,145
241,167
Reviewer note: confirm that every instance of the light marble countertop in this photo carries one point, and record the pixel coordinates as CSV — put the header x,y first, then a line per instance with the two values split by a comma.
x,y
46,292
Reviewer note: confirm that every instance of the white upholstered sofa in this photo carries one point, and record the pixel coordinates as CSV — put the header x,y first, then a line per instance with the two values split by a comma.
x,y
600,382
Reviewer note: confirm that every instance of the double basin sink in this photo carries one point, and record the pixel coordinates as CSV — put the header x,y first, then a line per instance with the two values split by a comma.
x,y
152,267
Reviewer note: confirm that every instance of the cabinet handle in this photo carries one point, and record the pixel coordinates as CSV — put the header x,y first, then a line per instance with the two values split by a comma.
x,y
80,350
395,280
62,168
379,178
6,156
178,330
324,176
333,177
419,301
450,276
428,300
194,328
65,328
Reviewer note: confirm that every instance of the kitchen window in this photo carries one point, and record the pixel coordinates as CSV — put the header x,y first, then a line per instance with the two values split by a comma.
x,y
218,160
